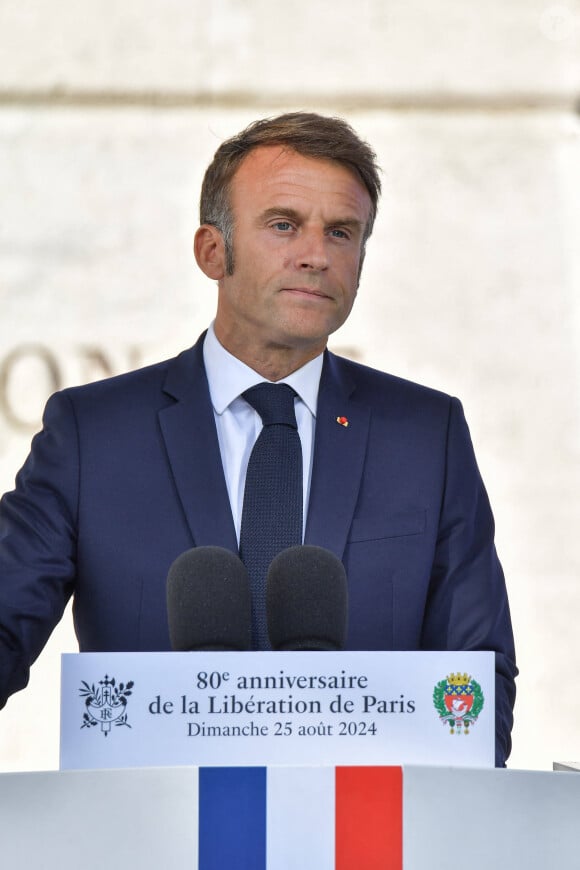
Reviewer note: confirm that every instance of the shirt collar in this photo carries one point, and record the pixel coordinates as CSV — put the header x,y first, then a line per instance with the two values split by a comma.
x,y
228,377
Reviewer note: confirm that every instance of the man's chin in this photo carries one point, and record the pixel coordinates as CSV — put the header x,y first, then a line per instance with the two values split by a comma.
x,y
307,341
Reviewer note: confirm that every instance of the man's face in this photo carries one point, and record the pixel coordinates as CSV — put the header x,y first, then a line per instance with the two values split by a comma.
x,y
298,230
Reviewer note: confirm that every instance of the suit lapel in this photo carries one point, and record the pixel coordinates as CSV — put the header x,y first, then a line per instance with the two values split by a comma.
x,y
339,454
190,436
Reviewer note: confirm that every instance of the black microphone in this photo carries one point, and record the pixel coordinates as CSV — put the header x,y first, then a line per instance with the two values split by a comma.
x,y
306,600
209,601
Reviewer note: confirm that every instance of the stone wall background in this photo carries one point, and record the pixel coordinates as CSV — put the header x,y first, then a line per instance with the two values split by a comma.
x,y
109,113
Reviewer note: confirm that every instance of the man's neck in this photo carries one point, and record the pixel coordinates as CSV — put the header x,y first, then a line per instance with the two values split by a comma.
x,y
272,362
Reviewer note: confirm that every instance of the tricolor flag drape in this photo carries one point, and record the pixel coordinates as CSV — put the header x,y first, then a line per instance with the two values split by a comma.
x,y
298,818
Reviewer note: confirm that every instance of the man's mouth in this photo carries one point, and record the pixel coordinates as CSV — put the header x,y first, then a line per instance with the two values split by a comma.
x,y
311,292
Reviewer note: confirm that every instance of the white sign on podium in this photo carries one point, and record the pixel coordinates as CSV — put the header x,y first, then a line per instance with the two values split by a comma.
x,y
262,708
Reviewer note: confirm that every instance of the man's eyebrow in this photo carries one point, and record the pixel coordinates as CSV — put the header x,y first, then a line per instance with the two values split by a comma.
x,y
280,211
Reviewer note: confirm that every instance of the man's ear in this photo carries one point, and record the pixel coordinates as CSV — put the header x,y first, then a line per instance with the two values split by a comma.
x,y
209,250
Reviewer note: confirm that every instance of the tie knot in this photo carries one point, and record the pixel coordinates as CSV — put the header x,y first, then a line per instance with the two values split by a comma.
x,y
273,402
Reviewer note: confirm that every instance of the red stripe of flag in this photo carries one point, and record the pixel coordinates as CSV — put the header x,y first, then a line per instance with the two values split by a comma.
x,y
369,818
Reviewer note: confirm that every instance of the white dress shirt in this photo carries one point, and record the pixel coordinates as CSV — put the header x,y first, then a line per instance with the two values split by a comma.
x,y
238,424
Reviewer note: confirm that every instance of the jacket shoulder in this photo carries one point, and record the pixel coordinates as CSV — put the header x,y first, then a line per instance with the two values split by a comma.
x,y
159,383
370,384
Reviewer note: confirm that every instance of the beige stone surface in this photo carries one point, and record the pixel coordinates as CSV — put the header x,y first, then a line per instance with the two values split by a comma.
x,y
471,285
371,51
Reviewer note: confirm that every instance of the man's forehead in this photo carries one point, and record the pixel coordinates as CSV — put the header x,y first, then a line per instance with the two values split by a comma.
x,y
277,156
270,167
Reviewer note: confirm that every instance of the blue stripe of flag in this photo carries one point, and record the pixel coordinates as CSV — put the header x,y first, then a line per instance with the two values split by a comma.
x,y
232,818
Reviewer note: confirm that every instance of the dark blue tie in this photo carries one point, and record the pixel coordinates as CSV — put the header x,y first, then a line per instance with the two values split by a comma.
x,y
272,512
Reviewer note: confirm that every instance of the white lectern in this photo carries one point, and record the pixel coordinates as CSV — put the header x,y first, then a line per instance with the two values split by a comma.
x,y
426,819
290,761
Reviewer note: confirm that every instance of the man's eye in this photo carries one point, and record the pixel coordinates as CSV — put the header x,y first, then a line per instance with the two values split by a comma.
x,y
339,234
283,226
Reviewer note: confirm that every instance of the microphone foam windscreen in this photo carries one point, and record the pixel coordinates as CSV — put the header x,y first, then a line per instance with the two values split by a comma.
x,y
208,601
307,600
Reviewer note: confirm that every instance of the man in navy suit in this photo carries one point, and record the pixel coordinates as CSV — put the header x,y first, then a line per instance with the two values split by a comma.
x,y
128,473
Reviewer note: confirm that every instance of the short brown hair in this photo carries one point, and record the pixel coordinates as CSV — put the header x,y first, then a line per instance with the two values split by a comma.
x,y
307,133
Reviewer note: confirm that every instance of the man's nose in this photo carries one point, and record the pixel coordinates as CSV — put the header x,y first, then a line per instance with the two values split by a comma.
x,y
312,251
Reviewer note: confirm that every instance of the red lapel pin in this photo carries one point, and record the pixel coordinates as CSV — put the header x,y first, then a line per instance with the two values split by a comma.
x,y
342,421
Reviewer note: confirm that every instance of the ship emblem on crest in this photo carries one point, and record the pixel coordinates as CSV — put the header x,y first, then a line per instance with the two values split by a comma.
x,y
105,703
459,700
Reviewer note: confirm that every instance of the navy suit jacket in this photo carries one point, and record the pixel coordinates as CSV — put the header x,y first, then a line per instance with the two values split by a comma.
x,y
126,475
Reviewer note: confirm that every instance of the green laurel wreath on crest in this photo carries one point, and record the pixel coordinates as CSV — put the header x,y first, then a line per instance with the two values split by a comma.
x,y
478,702
439,702
438,696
